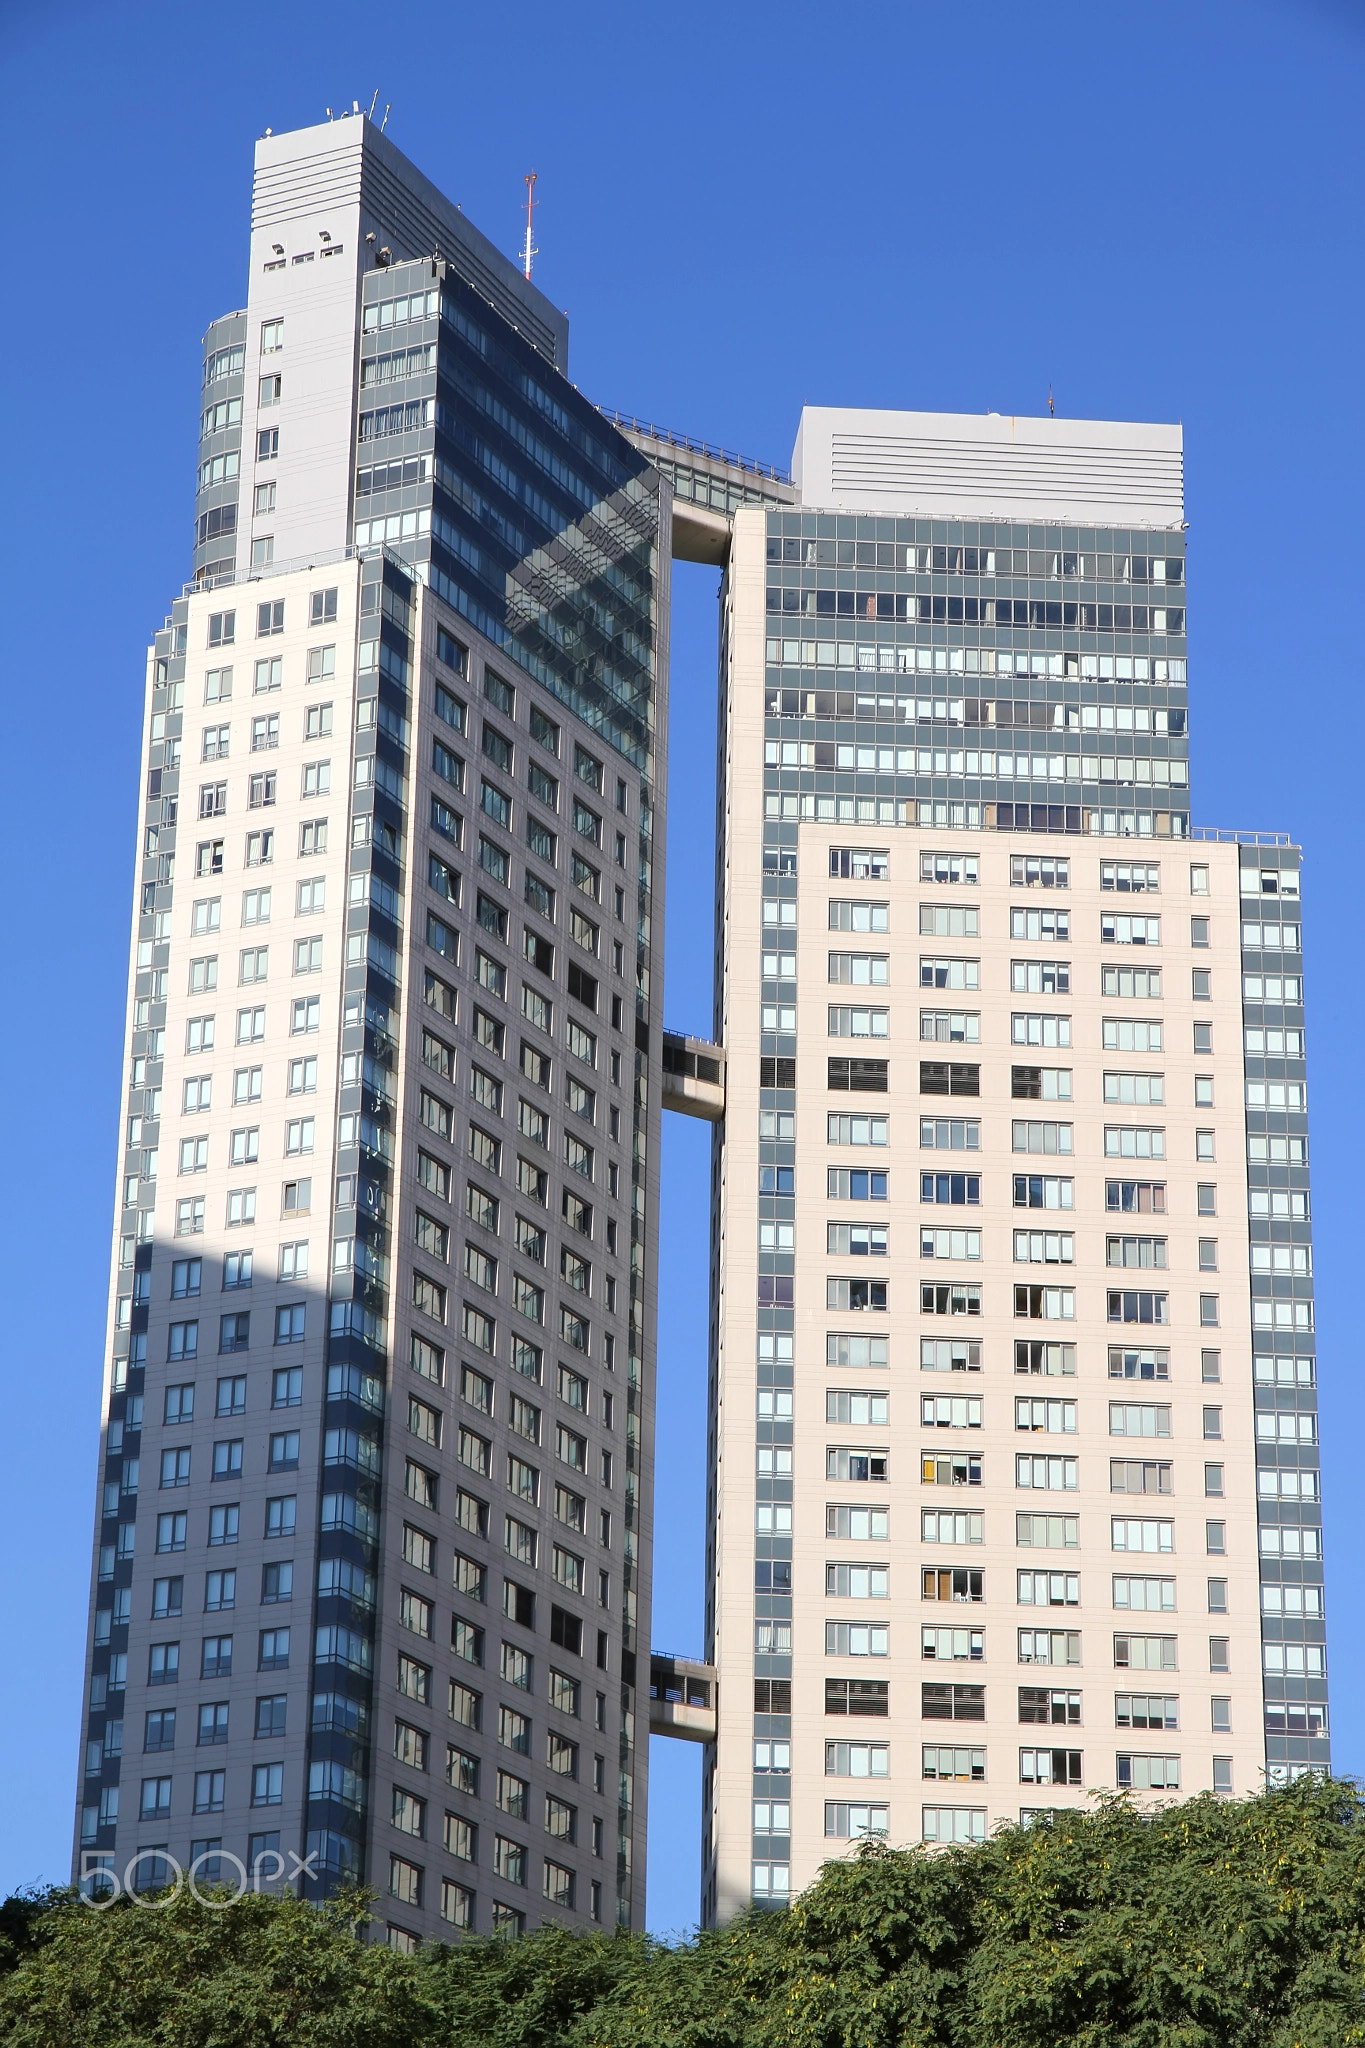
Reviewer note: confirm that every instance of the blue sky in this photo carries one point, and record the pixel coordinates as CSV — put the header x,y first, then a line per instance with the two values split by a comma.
x,y
746,208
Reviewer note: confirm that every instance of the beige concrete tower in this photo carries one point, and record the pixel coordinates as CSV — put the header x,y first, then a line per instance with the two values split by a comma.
x,y
1013,1484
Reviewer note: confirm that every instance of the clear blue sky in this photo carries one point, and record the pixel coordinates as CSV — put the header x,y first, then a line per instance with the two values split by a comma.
x,y
1154,210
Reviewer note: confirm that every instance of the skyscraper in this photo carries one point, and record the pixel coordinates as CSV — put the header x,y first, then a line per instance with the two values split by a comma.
x,y
1014,1487
372,1556
371,1574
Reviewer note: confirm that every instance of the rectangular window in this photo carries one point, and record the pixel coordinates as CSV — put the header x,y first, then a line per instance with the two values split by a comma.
x,y
845,1696
1130,931
947,1027
1142,983
1049,1646
945,1077
1147,1773
949,973
1039,1136
949,921
1051,1304
869,1130
1040,977
1047,1532
947,1134
1130,876
873,864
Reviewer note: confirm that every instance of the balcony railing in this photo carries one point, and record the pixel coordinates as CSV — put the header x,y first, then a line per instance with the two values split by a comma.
x,y
1226,835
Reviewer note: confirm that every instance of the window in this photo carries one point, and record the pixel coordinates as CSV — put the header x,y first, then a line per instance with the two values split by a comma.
x,y
1130,876
1032,871
267,1785
234,1333
1147,1773
1044,1137
1051,1532
1026,923
565,1693
186,1275
1143,983
289,1323
944,1077
949,921
273,1652
1039,977
1050,1767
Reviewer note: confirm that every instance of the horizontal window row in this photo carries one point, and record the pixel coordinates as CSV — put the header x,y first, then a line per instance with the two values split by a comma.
x,y
1049,1472
1038,1303
1062,1532
1048,1191
296,1200
945,662
967,1702
459,1905
253,964
1042,977
1031,1247
263,730
1031,870
893,606
259,851
1037,1705
954,560
315,780
289,1326
967,1584
1042,1357
1057,1532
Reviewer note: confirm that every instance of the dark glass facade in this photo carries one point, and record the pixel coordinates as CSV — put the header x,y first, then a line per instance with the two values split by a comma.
x,y
536,521
1028,677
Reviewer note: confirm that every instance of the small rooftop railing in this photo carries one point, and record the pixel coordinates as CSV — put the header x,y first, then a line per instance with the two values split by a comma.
x,y
261,572
1226,835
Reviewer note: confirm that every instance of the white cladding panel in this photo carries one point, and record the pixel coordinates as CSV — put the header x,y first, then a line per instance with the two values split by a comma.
x,y
990,466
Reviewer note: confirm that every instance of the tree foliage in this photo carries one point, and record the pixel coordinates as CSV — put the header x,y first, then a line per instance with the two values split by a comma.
x,y
1212,1924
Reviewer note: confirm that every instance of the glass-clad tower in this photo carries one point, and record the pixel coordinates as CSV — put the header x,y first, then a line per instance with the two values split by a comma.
x,y
372,1555
1014,1467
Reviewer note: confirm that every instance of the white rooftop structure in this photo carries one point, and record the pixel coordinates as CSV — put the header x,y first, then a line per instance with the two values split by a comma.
x,y
990,466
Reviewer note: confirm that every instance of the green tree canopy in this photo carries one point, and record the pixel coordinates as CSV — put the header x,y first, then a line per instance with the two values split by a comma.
x,y
1212,1924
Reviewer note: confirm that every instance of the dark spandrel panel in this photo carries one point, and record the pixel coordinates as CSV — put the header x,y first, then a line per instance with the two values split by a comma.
x,y
545,525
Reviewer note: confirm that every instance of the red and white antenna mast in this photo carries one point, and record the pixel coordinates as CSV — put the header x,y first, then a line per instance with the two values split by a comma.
x,y
529,250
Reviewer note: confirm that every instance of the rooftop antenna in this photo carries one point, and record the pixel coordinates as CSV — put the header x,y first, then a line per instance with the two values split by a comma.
x,y
373,104
529,251
385,122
